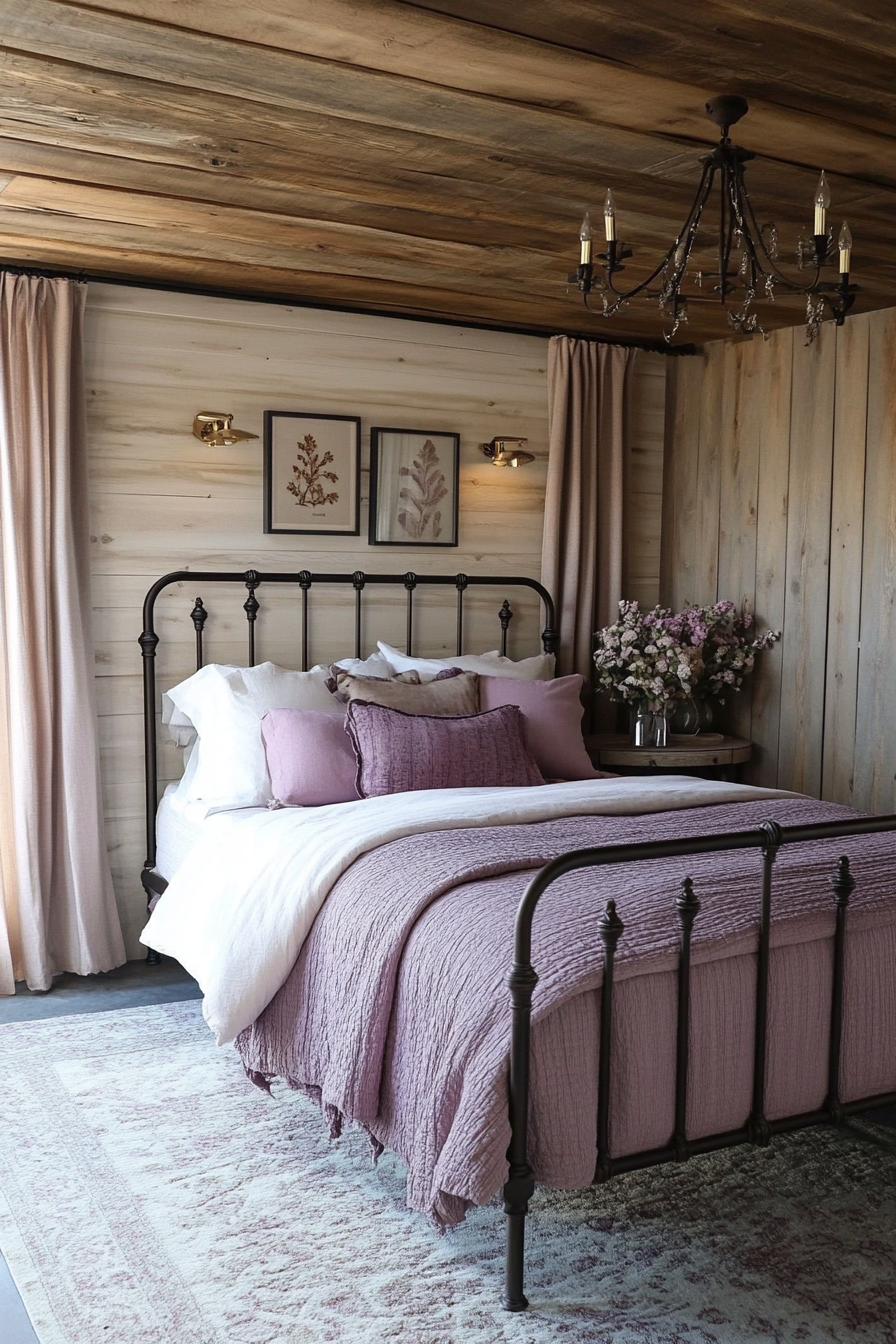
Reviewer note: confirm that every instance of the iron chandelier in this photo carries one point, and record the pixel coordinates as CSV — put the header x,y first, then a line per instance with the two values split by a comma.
x,y
747,251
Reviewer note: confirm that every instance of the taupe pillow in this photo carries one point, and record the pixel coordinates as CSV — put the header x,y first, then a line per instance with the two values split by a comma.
x,y
447,695
339,677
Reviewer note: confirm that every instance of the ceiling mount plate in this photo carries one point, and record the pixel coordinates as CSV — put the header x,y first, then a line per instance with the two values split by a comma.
x,y
726,109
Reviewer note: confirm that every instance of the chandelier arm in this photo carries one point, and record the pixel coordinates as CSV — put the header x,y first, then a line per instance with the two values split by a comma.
x,y
755,235
750,267
640,288
692,223
728,219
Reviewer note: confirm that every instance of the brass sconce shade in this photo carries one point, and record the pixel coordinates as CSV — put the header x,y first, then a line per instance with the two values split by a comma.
x,y
217,430
506,452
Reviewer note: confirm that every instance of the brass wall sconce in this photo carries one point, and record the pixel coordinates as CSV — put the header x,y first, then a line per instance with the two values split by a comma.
x,y
506,452
217,430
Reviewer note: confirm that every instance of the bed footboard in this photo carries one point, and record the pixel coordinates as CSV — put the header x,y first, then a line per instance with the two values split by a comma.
x,y
757,1128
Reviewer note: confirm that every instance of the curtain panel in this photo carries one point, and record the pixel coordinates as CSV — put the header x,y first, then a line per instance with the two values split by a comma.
x,y
57,907
583,555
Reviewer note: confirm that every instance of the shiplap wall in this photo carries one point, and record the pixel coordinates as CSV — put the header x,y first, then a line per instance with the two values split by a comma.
x,y
780,489
161,500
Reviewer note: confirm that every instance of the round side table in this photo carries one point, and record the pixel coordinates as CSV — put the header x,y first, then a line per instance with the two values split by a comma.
x,y
708,754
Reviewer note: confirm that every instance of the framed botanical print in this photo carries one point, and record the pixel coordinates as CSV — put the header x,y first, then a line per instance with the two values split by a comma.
x,y
312,473
413,487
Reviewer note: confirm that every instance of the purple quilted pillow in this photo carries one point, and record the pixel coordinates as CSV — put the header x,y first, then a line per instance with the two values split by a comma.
x,y
400,753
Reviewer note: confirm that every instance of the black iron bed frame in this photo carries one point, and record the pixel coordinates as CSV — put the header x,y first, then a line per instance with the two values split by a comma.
x,y
522,977
153,883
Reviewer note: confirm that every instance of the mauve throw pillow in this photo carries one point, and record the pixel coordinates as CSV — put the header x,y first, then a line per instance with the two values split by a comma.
x,y
553,716
310,757
400,753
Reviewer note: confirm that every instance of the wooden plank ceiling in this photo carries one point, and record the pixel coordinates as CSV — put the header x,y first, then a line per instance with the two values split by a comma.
x,y
433,158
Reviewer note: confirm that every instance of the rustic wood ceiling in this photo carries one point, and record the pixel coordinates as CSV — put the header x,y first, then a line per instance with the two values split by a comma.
x,y
433,158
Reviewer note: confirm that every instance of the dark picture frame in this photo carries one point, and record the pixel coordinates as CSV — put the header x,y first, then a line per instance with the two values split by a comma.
x,y
414,487
312,473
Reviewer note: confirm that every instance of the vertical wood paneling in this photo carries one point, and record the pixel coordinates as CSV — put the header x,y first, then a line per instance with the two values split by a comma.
x,y
762,699
738,492
875,762
808,549
644,504
705,579
691,480
847,524
823,545
684,379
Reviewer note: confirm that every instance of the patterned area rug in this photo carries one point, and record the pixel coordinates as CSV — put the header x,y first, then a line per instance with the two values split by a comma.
x,y
150,1195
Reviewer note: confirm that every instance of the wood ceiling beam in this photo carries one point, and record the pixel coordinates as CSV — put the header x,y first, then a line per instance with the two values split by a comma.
x,y
395,39
263,236
52,103
170,253
120,259
823,59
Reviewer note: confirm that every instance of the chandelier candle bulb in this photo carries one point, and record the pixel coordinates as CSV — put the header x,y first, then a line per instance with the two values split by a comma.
x,y
586,233
610,218
845,245
822,202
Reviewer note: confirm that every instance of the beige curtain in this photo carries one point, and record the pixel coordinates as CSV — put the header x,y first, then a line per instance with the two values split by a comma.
x,y
57,909
584,518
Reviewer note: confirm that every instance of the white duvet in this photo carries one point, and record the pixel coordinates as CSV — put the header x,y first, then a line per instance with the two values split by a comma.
x,y
238,909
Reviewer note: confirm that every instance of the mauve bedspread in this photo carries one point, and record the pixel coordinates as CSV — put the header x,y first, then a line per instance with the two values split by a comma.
x,y
396,1014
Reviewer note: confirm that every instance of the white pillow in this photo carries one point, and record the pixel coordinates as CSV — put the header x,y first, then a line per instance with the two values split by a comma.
x,y
377,665
492,664
226,705
181,730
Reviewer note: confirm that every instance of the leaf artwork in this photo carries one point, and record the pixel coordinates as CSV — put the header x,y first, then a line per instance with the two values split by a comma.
x,y
427,490
309,474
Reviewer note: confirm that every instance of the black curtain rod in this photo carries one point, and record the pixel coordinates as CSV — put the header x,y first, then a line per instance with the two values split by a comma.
x,y
293,301
43,272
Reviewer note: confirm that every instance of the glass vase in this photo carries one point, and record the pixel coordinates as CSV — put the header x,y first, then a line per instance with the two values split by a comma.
x,y
692,716
649,727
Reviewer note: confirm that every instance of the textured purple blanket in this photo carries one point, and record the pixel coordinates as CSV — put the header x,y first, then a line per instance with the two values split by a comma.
x,y
396,1014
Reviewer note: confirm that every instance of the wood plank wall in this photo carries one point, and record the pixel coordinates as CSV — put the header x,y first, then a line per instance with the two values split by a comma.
x,y
780,491
161,500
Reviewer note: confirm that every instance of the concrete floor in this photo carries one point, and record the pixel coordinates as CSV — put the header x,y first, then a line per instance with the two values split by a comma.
x,y
130,986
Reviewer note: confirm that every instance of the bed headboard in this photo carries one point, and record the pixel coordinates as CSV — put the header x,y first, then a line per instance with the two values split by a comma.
x,y
305,580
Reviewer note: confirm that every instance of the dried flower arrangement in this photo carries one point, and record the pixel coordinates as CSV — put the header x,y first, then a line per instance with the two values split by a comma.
x,y
658,656
728,641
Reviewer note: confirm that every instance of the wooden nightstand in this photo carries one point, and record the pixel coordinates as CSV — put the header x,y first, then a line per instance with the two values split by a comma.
x,y
710,755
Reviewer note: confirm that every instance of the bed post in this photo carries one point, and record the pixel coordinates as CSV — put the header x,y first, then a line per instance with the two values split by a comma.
x,y
611,929
843,884
520,1185
757,1124
687,908
148,642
